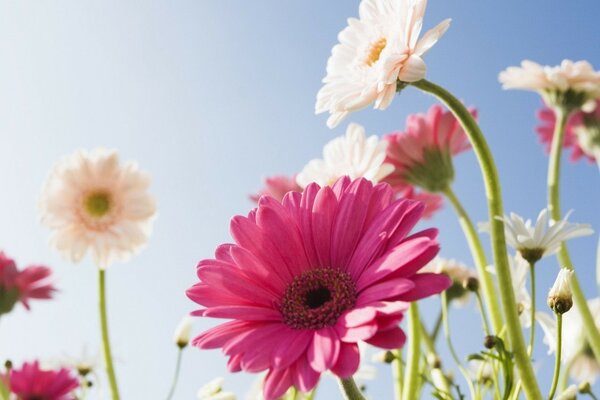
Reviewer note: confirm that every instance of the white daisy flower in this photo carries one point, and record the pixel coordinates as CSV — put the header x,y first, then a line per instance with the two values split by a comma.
x,y
353,155
458,272
213,390
91,202
182,334
519,269
541,240
374,52
576,351
574,84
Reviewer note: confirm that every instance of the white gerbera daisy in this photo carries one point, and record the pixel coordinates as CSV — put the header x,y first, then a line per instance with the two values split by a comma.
x,y
213,390
576,351
374,52
573,84
91,202
353,155
535,242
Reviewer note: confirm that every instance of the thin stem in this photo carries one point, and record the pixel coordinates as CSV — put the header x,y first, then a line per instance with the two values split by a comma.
x,y
446,324
176,376
436,327
589,325
398,371
484,321
495,209
479,258
592,395
110,371
350,390
411,385
532,331
558,355
439,379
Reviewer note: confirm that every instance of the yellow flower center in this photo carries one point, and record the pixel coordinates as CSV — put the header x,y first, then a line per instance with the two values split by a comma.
x,y
98,204
375,52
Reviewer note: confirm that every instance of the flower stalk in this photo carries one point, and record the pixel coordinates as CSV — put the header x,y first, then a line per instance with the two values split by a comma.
x,y
494,197
558,356
410,389
591,332
350,390
176,376
110,371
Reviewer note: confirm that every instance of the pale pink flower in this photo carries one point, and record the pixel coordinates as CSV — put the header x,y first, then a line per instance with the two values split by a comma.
x,y
422,156
309,278
582,132
93,203
374,53
24,285
277,186
32,382
574,84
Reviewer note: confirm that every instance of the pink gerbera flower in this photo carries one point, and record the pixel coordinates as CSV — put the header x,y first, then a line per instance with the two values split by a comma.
x,y
310,277
422,156
582,133
432,202
277,186
29,283
32,383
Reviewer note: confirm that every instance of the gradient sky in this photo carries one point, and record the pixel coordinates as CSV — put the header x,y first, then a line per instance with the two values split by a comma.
x,y
210,96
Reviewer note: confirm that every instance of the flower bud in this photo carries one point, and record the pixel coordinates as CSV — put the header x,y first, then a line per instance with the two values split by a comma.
x,y
490,341
434,361
183,332
585,388
471,284
560,298
384,357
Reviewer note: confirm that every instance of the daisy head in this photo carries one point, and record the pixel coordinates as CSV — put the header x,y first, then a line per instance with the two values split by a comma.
x,y
458,273
213,390
22,285
422,156
91,202
32,382
277,186
544,238
560,297
354,155
308,278
570,85
375,53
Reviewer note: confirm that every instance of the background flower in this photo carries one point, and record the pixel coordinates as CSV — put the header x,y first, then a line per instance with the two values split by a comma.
x,y
277,186
32,382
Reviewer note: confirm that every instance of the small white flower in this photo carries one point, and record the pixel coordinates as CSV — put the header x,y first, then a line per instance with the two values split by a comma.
x,y
574,82
93,203
570,393
374,52
576,351
183,332
519,269
353,155
458,272
543,239
213,390
560,297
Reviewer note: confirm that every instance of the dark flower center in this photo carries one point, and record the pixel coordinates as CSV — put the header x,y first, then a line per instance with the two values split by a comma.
x,y
317,298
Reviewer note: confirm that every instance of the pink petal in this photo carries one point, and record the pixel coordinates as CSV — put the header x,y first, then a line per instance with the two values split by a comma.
x,y
295,345
348,361
221,334
246,313
324,349
391,339
277,382
305,378
384,290
358,333
323,215
426,284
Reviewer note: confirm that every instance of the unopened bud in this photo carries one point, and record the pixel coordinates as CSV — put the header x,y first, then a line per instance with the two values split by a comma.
x,y
560,298
8,365
384,357
490,341
471,284
434,361
183,332
570,393
585,387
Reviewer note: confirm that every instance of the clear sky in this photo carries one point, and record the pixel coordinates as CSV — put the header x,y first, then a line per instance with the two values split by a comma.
x,y
209,96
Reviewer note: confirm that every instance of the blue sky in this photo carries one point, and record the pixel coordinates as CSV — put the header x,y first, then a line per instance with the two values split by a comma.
x,y
211,96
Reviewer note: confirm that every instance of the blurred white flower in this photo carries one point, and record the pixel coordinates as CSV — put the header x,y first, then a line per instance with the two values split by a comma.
x,y
213,390
182,334
543,239
576,351
353,155
570,393
91,202
519,269
374,52
574,84
458,272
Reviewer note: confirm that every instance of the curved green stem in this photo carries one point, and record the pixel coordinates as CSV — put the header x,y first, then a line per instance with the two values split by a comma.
x,y
558,356
176,376
479,258
589,325
494,197
350,390
410,389
398,371
110,370
446,324
532,331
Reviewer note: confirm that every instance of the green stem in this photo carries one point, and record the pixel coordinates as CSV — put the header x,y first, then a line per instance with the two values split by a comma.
x,y
484,321
436,327
479,258
589,325
439,380
350,390
176,376
398,372
532,330
110,371
446,324
411,377
494,197
558,356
